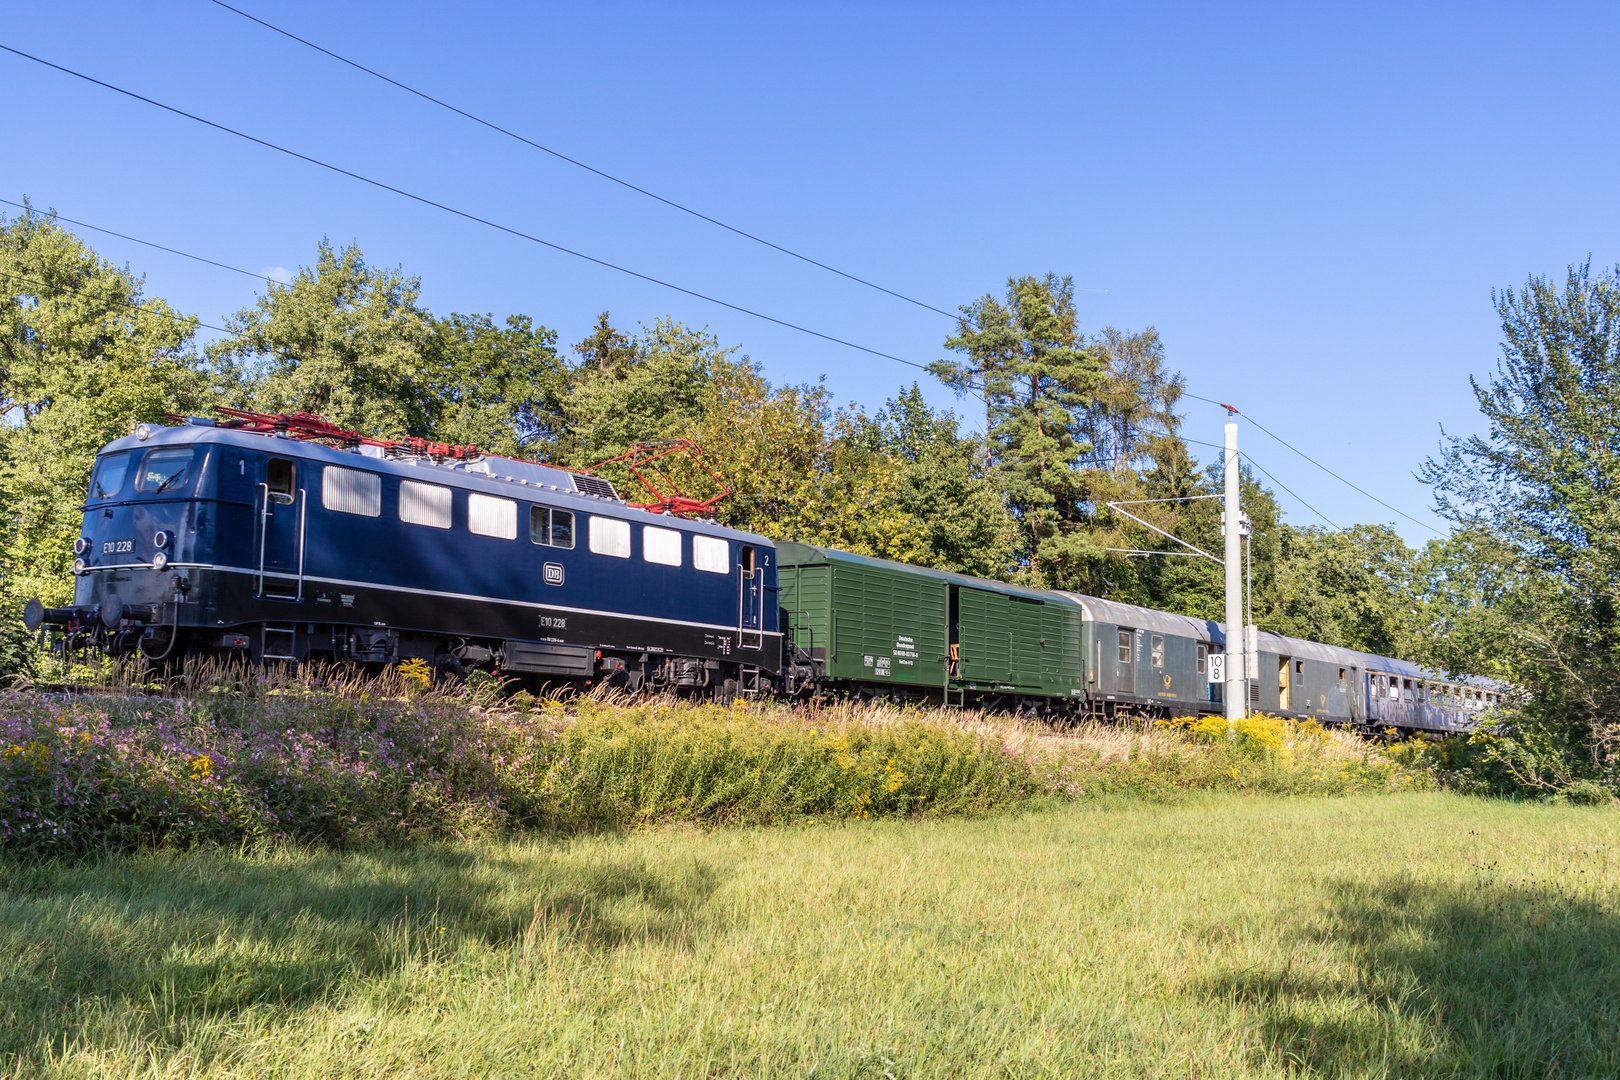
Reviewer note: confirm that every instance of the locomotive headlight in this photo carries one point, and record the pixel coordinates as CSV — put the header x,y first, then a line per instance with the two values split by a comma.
x,y
159,561
161,540
78,566
80,546
143,431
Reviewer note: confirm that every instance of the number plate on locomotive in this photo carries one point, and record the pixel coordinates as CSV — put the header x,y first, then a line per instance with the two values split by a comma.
x,y
117,547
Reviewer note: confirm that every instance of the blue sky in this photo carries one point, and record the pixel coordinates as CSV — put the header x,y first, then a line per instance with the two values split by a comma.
x,y
1311,202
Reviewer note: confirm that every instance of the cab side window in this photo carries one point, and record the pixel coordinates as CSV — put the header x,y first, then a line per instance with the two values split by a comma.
x,y
1203,659
278,477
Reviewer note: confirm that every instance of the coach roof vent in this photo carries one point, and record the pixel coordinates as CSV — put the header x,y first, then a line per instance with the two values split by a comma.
x,y
594,485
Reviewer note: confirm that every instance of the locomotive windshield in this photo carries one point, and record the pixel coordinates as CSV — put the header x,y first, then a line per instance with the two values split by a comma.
x,y
164,470
109,476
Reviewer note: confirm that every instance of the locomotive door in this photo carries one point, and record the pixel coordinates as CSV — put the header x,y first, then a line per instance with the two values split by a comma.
x,y
750,599
281,531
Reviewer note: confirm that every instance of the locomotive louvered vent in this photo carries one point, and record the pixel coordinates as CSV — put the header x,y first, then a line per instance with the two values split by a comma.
x,y
594,485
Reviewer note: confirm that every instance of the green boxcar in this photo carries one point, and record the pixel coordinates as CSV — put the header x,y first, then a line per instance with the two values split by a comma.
x,y
870,620
885,623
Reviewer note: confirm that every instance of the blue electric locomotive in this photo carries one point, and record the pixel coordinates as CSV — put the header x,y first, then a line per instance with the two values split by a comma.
x,y
209,537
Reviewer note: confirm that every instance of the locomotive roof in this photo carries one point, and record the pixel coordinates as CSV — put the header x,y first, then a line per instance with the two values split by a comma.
x,y
1112,611
509,477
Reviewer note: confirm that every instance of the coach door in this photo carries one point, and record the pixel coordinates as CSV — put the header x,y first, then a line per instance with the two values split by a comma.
x,y
281,531
1125,661
751,598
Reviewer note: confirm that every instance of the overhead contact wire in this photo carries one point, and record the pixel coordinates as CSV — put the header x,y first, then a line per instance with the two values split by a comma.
x,y
137,240
580,164
425,201
1318,464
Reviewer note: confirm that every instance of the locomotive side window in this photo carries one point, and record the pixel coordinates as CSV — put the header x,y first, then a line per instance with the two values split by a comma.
x,y
424,504
489,516
552,528
610,536
350,491
164,470
109,476
1124,646
1203,658
1157,654
661,546
711,554
278,477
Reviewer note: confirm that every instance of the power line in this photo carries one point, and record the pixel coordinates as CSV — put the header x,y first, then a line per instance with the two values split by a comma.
x,y
136,240
580,164
1319,465
1246,457
138,306
465,214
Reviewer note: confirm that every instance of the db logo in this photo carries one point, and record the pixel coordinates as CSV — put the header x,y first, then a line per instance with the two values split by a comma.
x,y
554,573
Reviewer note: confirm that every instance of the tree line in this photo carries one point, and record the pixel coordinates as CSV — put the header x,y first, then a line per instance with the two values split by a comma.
x,y
1072,420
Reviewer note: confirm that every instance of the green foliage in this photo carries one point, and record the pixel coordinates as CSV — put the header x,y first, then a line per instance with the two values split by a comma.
x,y
84,356
342,341
500,389
1529,582
1025,358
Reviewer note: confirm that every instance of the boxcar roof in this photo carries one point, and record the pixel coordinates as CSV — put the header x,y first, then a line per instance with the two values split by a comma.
x,y
1118,614
796,554
507,477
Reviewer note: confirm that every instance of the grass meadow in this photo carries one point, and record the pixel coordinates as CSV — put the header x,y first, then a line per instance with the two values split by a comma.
x,y
1216,934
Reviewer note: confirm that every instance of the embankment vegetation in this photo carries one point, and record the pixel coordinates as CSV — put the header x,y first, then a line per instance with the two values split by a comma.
x,y
254,757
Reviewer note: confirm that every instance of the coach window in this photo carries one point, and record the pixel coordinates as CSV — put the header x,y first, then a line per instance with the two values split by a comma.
x,y
551,528
424,504
279,479
350,491
1422,692
662,546
489,516
610,536
1203,658
1124,646
1408,696
109,477
711,554
164,470
1157,654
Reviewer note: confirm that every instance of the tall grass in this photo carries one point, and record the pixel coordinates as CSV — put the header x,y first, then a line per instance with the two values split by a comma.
x,y
255,757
